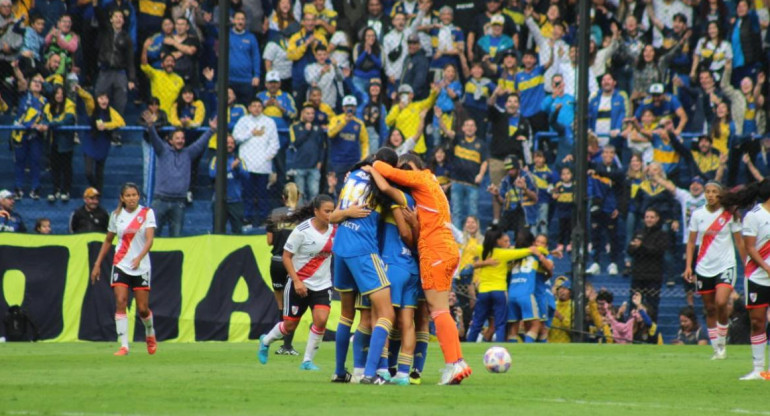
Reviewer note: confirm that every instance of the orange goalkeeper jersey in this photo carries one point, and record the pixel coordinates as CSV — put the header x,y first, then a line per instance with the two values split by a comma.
x,y
432,206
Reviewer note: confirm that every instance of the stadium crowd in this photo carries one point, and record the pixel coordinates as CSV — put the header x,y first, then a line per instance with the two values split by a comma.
x,y
477,89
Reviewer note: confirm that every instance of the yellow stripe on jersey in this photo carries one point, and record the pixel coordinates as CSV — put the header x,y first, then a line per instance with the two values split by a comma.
x,y
467,154
531,83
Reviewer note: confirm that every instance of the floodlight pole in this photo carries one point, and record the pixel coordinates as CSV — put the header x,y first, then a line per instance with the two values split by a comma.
x,y
223,69
579,235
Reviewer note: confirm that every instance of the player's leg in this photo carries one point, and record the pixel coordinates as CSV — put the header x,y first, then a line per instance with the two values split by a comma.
x,y
294,306
344,284
361,337
724,288
500,313
408,342
121,319
145,314
757,299
384,315
320,311
484,302
422,336
279,277
531,319
758,318
707,290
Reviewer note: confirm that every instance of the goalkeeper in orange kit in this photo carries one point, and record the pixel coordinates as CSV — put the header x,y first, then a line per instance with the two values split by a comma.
x,y
438,255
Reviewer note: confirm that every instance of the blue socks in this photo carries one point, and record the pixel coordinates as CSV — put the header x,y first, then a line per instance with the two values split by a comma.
x,y
342,341
376,345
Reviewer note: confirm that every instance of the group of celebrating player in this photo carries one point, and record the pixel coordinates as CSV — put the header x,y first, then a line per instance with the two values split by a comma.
x,y
393,250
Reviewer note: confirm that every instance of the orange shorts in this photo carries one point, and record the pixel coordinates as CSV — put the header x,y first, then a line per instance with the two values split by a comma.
x,y
437,269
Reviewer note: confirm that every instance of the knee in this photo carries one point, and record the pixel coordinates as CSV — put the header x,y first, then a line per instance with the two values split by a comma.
x,y
290,326
121,302
144,310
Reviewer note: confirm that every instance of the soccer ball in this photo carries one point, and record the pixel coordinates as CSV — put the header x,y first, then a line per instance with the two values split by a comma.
x,y
497,360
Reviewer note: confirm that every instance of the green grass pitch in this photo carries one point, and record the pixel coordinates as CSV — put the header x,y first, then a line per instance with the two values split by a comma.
x,y
226,379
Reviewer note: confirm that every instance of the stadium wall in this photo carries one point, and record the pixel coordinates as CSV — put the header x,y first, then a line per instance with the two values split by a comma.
x,y
204,288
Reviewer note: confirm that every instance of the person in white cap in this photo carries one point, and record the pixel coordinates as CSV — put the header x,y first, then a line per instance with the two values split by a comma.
x,y
10,221
348,139
279,105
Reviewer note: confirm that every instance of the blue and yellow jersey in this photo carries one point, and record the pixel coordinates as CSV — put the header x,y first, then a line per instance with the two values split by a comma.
x,y
30,112
516,14
348,141
506,81
531,90
196,112
323,113
494,278
543,178
458,40
523,278
286,101
750,117
357,236
664,153
468,155
394,250
667,108
514,196
707,164
542,287
564,200
477,92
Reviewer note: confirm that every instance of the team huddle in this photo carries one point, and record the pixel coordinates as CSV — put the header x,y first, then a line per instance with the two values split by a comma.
x,y
394,260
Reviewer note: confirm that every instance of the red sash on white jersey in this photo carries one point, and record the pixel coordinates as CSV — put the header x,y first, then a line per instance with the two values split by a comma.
x,y
129,234
712,232
309,269
751,265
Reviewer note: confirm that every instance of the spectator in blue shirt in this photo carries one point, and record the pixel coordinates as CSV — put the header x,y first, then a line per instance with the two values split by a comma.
x,y
306,153
244,59
518,194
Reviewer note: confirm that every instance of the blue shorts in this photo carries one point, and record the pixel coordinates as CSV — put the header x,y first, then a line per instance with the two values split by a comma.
x,y
365,273
404,287
522,308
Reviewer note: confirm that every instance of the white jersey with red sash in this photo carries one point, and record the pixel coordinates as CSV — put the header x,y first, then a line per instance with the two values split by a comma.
x,y
717,249
757,224
312,254
130,228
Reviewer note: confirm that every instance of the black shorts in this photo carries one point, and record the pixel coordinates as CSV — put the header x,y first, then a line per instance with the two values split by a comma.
x,y
278,274
121,278
709,284
757,296
294,305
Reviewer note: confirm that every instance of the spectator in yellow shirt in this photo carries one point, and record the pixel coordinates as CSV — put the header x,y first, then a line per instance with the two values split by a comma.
x,y
165,84
405,115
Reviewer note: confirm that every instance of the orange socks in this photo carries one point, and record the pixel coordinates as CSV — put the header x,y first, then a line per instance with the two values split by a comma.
x,y
448,339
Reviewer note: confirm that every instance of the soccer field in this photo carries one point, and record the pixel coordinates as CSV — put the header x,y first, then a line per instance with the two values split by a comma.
x,y
226,379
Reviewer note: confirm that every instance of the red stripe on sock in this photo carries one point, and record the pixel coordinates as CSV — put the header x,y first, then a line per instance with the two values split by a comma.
x,y
316,330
